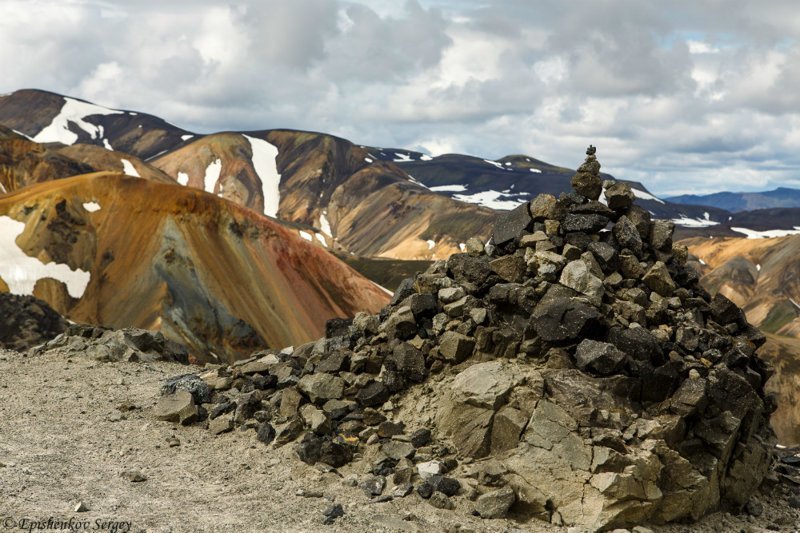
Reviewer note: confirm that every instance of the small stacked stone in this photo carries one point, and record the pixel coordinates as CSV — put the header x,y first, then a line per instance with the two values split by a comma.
x,y
587,180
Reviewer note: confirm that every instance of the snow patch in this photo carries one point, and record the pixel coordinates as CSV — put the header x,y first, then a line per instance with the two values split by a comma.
x,y
20,133
265,161
107,145
213,171
21,271
425,158
321,239
449,188
431,244
401,158
324,225
489,199
462,247
758,267
307,236
368,160
414,181
384,289
535,170
129,169
647,196
186,137
73,112
183,178
701,261
694,222
91,206
768,234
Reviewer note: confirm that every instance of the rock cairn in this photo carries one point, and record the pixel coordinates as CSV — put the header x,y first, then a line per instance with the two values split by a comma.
x,y
571,370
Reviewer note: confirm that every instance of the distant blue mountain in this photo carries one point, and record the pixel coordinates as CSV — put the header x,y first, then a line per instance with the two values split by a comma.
x,y
781,197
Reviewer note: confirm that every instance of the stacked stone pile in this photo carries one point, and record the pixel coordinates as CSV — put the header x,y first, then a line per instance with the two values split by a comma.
x,y
571,369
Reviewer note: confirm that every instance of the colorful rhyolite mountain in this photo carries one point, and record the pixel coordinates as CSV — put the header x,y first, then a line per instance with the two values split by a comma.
x,y
110,249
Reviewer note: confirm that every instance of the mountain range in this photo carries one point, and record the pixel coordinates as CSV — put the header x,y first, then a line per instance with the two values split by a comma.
x,y
782,197
385,212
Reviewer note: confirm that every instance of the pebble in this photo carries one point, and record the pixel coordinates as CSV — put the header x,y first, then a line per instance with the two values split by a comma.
x,y
81,507
134,476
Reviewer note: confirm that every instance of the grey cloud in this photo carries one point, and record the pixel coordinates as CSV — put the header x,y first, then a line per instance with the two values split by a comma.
x,y
448,74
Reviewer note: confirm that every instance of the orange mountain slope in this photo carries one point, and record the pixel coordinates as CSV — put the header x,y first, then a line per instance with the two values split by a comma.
x,y
206,272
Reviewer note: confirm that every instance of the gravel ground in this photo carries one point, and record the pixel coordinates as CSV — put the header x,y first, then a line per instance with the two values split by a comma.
x,y
76,431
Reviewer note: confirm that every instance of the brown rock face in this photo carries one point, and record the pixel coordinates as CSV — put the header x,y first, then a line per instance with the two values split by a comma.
x,y
370,209
210,275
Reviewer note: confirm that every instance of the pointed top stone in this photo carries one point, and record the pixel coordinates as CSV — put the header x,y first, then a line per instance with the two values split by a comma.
x,y
591,150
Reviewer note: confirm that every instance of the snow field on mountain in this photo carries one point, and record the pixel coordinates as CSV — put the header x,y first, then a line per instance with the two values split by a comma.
x,y
266,166
213,171
21,271
73,112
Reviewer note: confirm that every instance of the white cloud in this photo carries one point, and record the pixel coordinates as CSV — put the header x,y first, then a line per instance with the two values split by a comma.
x,y
681,95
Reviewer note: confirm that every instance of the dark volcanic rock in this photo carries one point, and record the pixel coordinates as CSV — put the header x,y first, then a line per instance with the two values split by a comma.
x,y
562,318
512,225
26,322
601,357
583,377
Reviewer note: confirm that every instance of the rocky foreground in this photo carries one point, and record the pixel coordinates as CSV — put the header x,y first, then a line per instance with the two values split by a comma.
x,y
571,375
572,371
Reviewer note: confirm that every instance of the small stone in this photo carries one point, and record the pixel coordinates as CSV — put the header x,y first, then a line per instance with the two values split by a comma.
x,y
265,433
601,357
754,508
134,476
455,347
577,275
173,442
474,246
619,196
511,268
440,501
430,468
221,424
176,407
373,486
332,513
321,387
451,294
446,485
544,207
421,437
587,182
403,490
495,504
659,280
373,394
81,508
425,490
389,429
398,450
512,224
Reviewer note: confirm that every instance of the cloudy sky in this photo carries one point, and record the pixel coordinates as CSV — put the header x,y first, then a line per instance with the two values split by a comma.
x,y
684,95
